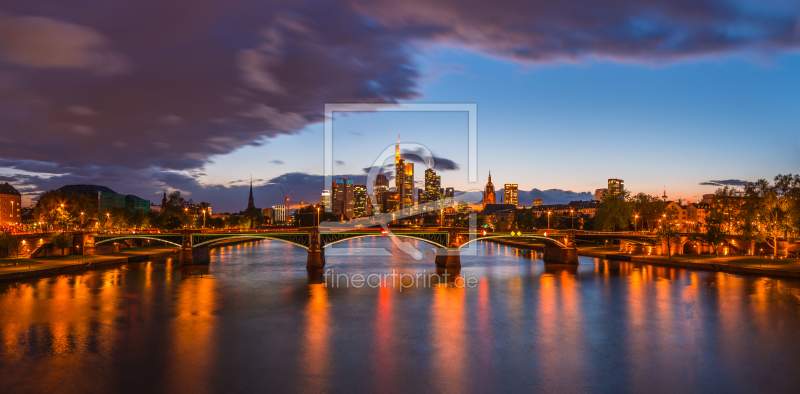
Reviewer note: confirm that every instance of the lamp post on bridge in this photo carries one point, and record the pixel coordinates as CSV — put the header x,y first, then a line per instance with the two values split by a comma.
x,y
317,216
635,228
572,216
548,218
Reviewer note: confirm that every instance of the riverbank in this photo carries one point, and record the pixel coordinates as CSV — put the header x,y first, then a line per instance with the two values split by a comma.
x,y
58,265
740,265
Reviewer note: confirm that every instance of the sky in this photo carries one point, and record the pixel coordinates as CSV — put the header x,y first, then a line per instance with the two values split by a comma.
x,y
199,96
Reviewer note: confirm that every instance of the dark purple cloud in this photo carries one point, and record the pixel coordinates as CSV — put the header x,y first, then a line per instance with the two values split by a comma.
x,y
725,182
118,92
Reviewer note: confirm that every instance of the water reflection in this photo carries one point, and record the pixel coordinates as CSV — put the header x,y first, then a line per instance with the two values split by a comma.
x,y
255,319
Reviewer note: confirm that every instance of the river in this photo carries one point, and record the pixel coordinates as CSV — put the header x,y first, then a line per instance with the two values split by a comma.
x,y
255,320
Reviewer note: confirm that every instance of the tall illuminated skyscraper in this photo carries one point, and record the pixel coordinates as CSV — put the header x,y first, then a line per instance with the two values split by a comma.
x,y
511,193
433,185
380,187
359,201
403,179
342,197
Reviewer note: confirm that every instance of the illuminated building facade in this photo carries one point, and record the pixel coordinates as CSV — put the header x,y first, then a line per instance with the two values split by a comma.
x,y
359,201
326,200
511,193
537,202
279,213
342,197
616,187
403,180
380,187
10,209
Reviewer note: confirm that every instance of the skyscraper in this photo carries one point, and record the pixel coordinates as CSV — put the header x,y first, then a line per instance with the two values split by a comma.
x,y
616,187
326,200
380,187
399,174
359,201
403,179
408,186
488,192
433,185
510,194
342,197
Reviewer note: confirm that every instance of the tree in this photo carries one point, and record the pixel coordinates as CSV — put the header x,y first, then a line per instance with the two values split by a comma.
x,y
669,232
649,208
614,212
12,244
233,221
254,217
63,218
83,208
525,219
172,223
62,240
765,213
727,201
712,231
120,217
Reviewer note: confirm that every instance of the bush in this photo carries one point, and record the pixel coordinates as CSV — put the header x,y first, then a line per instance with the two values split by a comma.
x,y
62,241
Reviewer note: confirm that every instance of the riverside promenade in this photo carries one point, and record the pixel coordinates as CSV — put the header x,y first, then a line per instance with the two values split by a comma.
x,y
743,265
57,265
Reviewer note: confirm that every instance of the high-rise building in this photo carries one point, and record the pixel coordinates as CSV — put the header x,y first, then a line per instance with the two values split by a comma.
x,y
616,187
391,201
10,205
399,174
342,197
537,202
326,200
359,201
449,197
279,213
599,194
403,179
421,196
488,193
510,194
408,186
380,186
433,186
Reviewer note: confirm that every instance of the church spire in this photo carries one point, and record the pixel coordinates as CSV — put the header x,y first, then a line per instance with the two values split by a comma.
x,y
250,202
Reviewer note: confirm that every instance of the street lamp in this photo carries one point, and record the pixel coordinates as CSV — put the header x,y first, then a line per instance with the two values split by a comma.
x,y
635,227
548,219
573,218
317,216
81,220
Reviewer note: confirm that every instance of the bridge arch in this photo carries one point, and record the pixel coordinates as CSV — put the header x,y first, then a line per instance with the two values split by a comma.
x,y
121,238
248,236
547,240
399,235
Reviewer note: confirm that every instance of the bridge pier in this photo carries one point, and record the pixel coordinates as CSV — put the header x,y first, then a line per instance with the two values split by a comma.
x,y
316,253
448,257
558,255
195,256
316,258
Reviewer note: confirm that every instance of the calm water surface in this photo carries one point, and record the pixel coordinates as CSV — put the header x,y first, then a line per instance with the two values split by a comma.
x,y
255,320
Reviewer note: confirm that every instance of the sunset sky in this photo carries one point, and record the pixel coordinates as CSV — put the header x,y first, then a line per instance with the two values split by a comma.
x,y
682,94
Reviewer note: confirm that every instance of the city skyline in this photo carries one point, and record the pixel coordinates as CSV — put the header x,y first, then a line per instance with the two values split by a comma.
x,y
651,99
